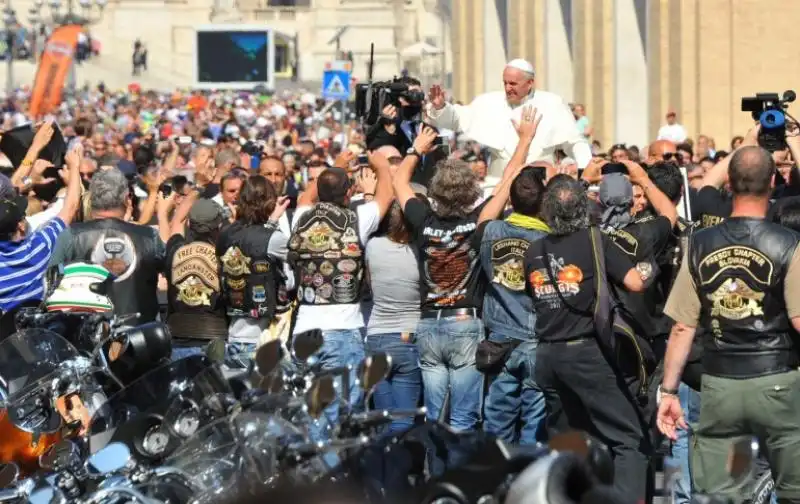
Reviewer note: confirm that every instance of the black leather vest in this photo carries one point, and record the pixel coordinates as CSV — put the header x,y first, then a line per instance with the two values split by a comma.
x,y
327,256
739,268
250,277
128,251
194,293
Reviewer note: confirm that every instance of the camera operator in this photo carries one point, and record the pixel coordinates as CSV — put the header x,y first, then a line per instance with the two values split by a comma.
x,y
399,126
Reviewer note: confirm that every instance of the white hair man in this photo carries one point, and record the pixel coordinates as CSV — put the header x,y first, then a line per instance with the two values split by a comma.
x,y
488,119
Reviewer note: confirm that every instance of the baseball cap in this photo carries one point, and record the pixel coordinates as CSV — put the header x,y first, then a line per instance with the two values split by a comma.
x,y
12,211
205,216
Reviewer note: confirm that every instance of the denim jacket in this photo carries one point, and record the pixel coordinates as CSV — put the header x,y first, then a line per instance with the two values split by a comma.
x,y
507,307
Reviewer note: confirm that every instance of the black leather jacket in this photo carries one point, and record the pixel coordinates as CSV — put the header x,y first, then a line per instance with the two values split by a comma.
x,y
134,254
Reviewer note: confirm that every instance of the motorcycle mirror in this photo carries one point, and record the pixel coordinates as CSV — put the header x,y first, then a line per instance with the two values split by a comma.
x,y
372,370
216,351
268,357
9,472
112,458
741,459
59,456
306,344
320,395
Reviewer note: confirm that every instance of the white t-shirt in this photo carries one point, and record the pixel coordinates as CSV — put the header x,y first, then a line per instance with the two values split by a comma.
x,y
37,220
340,316
673,132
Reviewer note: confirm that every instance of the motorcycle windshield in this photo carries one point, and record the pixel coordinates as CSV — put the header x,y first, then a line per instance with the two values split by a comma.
x,y
28,357
211,460
153,396
234,453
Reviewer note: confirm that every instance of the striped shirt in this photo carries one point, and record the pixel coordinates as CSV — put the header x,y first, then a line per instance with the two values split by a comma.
x,y
23,265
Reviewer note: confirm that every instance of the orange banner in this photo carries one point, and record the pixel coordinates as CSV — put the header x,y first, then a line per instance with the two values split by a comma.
x,y
53,69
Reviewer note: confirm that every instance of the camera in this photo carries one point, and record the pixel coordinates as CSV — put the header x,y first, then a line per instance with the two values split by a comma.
x,y
768,110
372,98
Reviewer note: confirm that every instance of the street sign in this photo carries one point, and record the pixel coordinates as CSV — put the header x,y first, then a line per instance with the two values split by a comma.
x,y
336,80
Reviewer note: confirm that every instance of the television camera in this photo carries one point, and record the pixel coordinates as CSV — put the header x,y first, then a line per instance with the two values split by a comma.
x,y
372,97
769,110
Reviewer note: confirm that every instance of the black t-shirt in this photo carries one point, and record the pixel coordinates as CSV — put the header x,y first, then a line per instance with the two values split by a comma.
x,y
449,261
710,206
643,242
570,260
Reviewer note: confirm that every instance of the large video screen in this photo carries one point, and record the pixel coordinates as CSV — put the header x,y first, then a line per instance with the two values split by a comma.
x,y
233,58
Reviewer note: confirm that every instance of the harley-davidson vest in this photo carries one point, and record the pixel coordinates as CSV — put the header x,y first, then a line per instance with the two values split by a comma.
x,y
327,256
739,268
129,252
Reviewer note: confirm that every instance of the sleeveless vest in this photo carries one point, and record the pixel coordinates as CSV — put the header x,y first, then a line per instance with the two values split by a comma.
x,y
194,292
507,307
250,276
128,251
739,268
327,256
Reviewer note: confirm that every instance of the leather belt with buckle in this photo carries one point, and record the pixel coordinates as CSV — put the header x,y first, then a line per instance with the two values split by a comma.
x,y
460,313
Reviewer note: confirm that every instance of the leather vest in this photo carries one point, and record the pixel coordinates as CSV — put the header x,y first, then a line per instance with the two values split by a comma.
x,y
739,268
507,307
250,276
129,252
327,256
194,292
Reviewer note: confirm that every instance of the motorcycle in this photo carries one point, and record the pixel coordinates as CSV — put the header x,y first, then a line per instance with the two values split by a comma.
x,y
48,393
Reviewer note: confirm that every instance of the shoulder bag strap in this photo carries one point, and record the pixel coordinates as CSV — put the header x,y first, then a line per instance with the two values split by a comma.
x,y
602,307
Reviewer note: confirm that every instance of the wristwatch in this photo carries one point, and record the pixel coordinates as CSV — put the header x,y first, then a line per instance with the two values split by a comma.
x,y
413,152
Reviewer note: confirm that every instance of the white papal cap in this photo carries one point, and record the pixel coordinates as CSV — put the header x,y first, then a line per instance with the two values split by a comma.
x,y
521,64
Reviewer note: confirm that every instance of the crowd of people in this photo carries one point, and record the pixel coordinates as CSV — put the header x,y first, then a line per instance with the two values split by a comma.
x,y
537,297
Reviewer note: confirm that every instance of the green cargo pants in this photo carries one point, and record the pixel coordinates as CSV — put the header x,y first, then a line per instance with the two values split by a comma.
x,y
767,408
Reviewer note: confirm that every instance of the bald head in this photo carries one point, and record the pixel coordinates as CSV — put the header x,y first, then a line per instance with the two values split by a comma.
x,y
659,148
751,172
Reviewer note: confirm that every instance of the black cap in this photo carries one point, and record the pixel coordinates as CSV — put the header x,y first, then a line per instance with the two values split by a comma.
x,y
12,211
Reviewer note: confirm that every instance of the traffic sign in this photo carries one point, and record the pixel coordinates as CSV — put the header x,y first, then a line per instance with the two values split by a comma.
x,y
336,81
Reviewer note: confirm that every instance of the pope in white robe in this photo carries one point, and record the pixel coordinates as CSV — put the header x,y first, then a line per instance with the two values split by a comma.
x,y
488,120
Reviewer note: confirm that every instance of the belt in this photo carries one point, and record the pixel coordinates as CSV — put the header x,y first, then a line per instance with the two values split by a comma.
x,y
748,365
203,326
450,312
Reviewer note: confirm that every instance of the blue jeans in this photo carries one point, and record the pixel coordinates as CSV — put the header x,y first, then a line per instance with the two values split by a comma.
x,y
239,355
678,462
514,399
181,352
341,347
402,388
447,358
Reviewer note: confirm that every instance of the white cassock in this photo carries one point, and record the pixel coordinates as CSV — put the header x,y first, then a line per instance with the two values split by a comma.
x,y
487,120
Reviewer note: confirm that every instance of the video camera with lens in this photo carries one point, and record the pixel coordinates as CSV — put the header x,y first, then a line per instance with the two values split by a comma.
x,y
371,98
768,110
